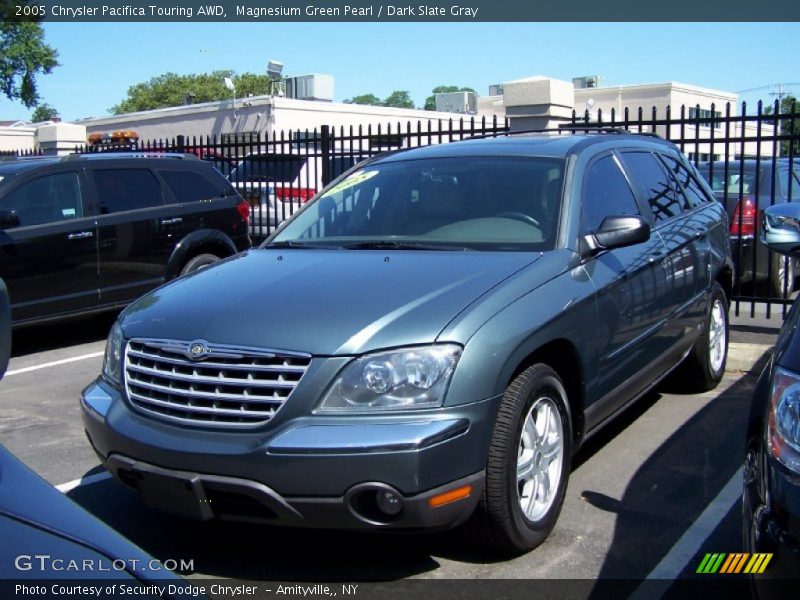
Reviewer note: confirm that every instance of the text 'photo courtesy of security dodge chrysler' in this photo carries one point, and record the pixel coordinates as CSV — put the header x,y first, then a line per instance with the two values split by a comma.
x,y
426,343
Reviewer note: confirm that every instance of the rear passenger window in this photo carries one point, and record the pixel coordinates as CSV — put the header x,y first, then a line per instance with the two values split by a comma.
x,y
188,186
653,182
694,195
606,192
46,199
126,189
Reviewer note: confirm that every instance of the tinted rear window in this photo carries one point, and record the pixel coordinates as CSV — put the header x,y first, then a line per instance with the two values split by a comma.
x,y
269,168
188,186
126,189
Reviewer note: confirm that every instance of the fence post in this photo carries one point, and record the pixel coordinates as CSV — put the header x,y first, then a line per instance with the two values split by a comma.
x,y
180,144
325,139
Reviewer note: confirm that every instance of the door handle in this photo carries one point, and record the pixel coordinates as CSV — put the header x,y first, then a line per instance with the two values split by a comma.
x,y
654,256
83,235
700,233
173,221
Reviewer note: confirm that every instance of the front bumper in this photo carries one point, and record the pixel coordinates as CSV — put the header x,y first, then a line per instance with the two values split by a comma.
x,y
310,471
772,522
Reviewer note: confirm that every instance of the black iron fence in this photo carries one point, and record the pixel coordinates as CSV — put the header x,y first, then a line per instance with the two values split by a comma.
x,y
751,158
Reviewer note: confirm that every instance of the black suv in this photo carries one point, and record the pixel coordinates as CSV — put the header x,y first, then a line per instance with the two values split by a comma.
x,y
84,233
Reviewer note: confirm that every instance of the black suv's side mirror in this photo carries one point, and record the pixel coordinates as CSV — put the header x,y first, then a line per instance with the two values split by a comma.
x,y
616,231
780,228
8,219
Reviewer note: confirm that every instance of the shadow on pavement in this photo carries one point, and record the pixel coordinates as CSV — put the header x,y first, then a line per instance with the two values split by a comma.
x,y
52,336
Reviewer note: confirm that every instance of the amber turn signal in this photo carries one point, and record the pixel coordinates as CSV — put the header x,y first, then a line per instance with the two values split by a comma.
x,y
451,496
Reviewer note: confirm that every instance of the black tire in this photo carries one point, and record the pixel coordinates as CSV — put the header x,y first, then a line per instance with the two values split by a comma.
x,y
198,262
783,275
499,521
703,368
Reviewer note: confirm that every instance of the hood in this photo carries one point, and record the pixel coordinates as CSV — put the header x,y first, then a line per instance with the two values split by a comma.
x,y
324,302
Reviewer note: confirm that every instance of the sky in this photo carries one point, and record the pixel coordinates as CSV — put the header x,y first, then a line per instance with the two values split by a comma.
x,y
100,61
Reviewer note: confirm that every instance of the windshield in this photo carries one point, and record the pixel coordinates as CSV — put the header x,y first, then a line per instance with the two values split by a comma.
x,y
475,203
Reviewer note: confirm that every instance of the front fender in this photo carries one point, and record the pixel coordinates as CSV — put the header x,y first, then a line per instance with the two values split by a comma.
x,y
209,240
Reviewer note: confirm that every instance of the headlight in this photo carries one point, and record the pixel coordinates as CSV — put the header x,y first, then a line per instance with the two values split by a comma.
x,y
404,379
783,420
112,363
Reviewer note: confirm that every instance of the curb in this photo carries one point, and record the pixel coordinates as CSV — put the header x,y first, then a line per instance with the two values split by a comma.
x,y
747,358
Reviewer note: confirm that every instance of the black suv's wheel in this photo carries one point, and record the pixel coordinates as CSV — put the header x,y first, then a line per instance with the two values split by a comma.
x,y
199,262
705,365
528,464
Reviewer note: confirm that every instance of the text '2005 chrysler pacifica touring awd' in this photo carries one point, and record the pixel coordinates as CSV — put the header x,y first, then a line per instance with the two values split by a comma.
x,y
426,343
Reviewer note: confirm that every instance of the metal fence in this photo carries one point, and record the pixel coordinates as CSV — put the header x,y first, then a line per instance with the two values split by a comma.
x,y
751,158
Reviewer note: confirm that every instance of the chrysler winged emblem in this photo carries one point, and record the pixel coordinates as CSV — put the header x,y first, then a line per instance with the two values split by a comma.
x,y
198,350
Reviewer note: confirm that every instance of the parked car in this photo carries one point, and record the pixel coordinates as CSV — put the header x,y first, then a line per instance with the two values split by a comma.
x,y
278,184
5,328
424,344
745,195
771,497
91,232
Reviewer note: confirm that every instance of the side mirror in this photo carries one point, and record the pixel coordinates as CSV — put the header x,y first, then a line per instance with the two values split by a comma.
x,y
780,228
616,232
8,219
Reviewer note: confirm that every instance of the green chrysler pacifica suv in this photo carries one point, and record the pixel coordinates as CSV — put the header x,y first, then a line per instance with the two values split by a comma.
x,y
426,343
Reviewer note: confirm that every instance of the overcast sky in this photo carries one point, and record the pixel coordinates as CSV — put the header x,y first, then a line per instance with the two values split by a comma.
x,y
99,61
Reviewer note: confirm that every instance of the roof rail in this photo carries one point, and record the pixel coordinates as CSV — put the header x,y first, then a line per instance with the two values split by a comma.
x,y
131,154
570,128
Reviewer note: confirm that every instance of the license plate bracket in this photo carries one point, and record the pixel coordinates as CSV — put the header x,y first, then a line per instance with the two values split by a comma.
x,y
171,493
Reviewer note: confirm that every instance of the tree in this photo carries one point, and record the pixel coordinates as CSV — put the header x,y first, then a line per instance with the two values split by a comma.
x,y
23,56
43,112
171,89
430,101
788,106
370,99
399,99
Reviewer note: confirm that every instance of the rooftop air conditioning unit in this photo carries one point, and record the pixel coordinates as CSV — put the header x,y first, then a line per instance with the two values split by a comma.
x,y
457,102
588,81
310,87
496,89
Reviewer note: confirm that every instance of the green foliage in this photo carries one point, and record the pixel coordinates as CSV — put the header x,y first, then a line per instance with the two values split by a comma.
x,y
370,99
171,89
23,56
397,99
430,101
43,112
788,106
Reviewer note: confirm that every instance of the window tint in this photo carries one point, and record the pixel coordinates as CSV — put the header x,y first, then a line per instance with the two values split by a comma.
x,y
269,168
46,199
693,193
653,182
606,192
188,186
126,189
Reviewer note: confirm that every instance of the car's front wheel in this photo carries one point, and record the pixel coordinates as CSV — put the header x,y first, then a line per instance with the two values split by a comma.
x,y
528,464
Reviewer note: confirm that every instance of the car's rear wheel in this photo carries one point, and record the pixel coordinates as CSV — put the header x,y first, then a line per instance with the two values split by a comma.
x,y
201,261
705,365
528,464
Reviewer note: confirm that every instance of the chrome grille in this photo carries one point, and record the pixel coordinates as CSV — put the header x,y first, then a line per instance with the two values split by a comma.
x,y
227,386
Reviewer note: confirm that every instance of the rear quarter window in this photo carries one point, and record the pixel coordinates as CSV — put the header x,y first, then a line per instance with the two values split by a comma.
x,y
188,186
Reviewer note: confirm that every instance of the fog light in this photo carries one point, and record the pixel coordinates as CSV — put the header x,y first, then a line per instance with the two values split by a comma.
x,y
389,503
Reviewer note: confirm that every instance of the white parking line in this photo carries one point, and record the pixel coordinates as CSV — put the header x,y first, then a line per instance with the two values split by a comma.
x,y
55,363
71,485
692,540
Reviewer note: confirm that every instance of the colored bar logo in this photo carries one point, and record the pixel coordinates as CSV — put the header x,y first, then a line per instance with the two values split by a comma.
x,y
737,562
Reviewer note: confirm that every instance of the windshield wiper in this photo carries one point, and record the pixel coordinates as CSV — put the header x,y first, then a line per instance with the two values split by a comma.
x,y
394,245
293,244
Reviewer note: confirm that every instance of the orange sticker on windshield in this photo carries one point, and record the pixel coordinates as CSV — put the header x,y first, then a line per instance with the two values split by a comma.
x,y
354,179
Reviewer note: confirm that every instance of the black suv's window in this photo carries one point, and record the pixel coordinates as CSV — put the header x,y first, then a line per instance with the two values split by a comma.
x,y
188,186
606,192
126,189
46,199
268,168
652,178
